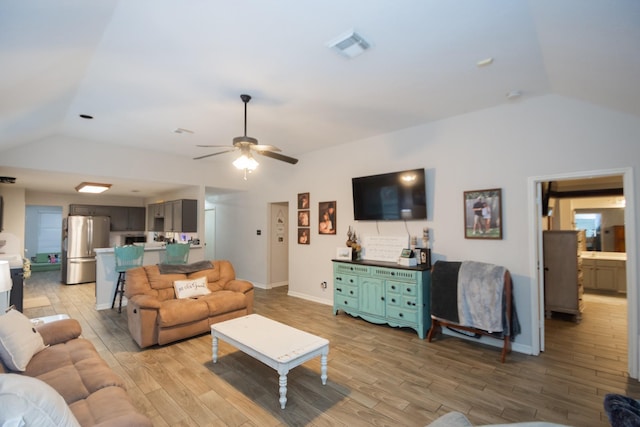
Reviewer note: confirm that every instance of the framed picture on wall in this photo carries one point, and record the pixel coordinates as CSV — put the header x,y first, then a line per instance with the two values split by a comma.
x,y
303,200
303,218
483,214
327,218
304,236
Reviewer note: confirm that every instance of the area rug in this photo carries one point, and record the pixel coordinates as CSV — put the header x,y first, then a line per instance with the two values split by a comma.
x,y
34,302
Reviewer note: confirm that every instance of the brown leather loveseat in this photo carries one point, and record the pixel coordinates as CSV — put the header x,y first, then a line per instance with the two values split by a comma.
x,y
66,375
156,316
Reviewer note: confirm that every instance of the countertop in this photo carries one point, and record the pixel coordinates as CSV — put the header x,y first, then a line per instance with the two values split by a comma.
x,y
156,246
612,256
15,260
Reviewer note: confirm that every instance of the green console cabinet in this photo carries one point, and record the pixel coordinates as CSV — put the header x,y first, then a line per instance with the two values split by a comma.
x,y
383,292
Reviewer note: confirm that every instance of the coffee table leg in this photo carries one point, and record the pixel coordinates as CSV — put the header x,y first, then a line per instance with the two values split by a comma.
x,y
323,368
283,388
214,348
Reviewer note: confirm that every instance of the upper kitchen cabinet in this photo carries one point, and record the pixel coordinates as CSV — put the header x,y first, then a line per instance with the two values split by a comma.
x,y
181,216
155,217
127,218
123,218
90,210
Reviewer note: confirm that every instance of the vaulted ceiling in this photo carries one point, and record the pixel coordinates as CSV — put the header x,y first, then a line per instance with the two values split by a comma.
x,y
144,68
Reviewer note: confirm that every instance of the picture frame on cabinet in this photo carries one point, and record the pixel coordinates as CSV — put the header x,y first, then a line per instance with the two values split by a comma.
x,y
327,214
483,214
344,253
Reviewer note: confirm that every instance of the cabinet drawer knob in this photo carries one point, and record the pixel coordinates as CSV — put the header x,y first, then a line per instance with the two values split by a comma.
x,y
381,298
339,289
401,315
351,292
408,289
393,300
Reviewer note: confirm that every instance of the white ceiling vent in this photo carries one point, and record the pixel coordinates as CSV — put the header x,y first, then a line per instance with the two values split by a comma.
x,y
349,44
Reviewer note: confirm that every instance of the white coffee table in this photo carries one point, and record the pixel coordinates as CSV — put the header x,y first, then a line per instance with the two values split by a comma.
x,y
277,345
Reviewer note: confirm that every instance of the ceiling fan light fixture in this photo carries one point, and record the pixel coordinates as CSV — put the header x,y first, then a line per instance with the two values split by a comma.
x,y
92,187
246,162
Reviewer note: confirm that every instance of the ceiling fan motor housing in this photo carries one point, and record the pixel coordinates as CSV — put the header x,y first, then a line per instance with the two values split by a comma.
x,y
241,140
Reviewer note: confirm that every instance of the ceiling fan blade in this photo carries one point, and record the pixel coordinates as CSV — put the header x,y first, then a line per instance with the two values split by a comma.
x,y
278,156
263,147
213,154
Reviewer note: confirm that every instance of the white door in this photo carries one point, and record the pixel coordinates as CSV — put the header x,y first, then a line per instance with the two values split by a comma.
x,y
210,234
279,244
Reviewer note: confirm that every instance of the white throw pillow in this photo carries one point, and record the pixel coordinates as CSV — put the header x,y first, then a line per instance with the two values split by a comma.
x,y
27,401
19,340
191,288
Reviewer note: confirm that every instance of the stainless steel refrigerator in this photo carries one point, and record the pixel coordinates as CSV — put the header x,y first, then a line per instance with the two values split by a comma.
x,y
80,236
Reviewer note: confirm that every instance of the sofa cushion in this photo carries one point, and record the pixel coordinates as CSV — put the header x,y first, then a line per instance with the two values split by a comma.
x,y
74,368
182,311
108,405
19,340
225,302
28,401
191,288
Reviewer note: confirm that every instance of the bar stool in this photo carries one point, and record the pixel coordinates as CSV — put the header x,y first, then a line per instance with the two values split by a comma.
x,y
127,257
176,253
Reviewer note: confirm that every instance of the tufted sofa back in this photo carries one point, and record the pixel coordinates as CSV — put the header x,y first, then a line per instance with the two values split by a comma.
x,y
147,280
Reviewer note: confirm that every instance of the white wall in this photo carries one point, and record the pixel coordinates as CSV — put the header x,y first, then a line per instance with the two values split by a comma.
x,y
496,148
499,147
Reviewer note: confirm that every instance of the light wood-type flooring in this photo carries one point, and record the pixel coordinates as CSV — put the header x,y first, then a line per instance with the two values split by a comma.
x,y
378,375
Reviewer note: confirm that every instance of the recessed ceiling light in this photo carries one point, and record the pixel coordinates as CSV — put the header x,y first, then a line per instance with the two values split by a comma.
x,y
484,62
182,130
513,94
92,187
86,116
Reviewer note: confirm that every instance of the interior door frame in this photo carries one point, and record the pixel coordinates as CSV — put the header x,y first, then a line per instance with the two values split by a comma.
x,y
535,263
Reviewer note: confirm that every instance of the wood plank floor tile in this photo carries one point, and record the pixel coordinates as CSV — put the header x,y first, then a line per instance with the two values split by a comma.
x,y
378,375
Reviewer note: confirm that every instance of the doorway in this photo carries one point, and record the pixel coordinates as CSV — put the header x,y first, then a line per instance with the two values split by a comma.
x,y
210,233
278,250
539,204
43,230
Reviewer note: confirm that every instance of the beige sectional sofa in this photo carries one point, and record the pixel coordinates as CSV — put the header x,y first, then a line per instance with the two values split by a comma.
x,y
65,383
156,316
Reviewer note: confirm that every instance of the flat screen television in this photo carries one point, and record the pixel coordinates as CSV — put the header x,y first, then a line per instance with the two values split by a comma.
x,y
390,196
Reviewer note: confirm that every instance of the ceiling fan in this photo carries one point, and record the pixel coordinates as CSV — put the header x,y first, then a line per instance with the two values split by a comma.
x,y
246,145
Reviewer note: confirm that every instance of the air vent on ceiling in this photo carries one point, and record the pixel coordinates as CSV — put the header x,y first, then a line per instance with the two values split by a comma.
x,y
7,180
349,44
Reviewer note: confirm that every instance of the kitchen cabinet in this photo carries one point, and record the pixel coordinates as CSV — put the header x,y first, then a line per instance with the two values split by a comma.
x,y
123,218
90,210
563,275
605,274
181,216
383,293
155,217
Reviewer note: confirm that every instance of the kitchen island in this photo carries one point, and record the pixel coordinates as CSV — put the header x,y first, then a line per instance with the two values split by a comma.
x,y
106,275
